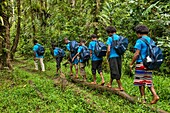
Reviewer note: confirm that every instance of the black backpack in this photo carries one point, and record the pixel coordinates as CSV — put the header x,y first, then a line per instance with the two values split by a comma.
x,y
61,52
41,50
120,45
85,54
74,46
154,56
100,49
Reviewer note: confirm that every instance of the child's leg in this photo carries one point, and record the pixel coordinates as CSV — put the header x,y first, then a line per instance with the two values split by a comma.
x,y
94,79
110,82
101,75
155,96
76,67
142,90
99,68
82,70
71,69
94,72
36,64
59,59
42,64
142,93
119,84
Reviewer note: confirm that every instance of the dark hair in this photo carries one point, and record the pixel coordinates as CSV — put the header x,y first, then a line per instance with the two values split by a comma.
x,y
53,45
110,29
93,36
35,41
82,40
142,29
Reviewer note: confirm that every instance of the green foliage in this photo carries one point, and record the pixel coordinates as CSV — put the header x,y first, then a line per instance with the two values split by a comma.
x,y
59,19
18,95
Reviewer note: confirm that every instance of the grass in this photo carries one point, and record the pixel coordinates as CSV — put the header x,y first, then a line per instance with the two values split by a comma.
x,y
18,95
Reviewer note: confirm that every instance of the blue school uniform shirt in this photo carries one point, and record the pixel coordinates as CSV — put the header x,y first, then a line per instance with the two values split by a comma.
x,y
92,47
56,52
80,49
109,43
141,45
35,49
72,54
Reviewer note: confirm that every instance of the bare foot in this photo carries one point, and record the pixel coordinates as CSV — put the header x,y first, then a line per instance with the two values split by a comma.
x,y
119,89
102,84
71,74
84,79
76,77
108,85
93,82
155,99
143,101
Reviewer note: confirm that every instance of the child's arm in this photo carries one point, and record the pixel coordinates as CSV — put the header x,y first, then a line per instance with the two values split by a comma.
x,y
75,57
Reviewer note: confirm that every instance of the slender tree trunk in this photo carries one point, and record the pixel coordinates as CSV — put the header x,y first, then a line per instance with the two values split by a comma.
x,y
7,45
1,46
32,19
41,17
96,11
16,40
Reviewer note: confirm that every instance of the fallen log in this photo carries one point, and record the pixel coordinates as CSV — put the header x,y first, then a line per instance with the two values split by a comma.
x,y
104,88
122,94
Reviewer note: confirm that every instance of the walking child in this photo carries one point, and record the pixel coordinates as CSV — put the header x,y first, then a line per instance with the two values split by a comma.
x,y
58,54
83,59
38,57
115,61
143,76
96,61
72,54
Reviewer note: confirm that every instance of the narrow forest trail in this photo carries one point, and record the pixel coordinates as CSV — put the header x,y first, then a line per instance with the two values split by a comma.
x,y
64,82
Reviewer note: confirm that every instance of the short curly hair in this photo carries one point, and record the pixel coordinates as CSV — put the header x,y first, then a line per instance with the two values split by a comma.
x,y
142,29
93,36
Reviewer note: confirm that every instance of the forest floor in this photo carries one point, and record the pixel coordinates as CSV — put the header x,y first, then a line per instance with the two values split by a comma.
x,y
26,90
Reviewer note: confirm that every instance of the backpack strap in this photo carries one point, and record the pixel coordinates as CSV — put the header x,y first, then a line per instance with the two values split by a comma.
x,y
148,45
97,42
144,40
84,48
114,42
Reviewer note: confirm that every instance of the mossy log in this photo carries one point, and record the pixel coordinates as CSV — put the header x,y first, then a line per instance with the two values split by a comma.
x,y
122,94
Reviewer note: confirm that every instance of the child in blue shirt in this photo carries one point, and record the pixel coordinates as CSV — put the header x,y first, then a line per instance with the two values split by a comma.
x,y
115,61
38,57
82,63
72,63
96,61
58,58
143,77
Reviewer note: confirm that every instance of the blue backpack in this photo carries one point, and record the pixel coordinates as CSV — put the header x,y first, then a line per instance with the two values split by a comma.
x,y
120,45
61,52
100,49
154,56
74,46
85,54
41,50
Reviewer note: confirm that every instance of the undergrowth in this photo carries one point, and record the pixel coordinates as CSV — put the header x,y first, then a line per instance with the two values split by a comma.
x,y
26,90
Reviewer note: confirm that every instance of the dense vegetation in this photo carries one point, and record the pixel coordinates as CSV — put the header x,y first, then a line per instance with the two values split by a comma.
x,y
49,21
26,90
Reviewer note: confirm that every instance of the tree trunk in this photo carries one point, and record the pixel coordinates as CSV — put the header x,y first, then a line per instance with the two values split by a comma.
x,y
16,40
32,19
96,11
5,37
7,44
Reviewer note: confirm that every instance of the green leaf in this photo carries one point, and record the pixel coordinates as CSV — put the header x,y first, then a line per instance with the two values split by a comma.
x,y
2,21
